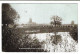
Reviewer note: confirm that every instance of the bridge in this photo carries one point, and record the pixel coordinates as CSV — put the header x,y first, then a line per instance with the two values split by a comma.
x,y
46,28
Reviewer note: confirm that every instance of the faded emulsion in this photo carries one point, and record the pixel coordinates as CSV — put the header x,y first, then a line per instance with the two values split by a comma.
x,y
34,37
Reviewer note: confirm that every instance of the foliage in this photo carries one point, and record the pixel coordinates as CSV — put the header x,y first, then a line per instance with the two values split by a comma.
x,y
30,44
56,20
74,33
8,17
8,14
12,38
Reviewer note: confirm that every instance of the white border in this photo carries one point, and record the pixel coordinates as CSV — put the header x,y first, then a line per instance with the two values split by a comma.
x,y
39,1
78,2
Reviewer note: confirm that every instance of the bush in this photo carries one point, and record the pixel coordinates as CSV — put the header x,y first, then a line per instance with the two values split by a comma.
x,y
74,33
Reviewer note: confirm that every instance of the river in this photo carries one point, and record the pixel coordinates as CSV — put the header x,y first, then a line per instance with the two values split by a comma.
x,y
65,43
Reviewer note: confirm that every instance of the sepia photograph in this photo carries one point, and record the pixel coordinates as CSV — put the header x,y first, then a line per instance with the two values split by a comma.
x,y
39,27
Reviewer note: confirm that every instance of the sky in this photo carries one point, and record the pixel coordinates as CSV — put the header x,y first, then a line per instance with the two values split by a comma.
x,y
42,13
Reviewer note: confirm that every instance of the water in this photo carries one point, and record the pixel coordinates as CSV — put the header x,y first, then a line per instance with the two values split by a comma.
x,y
67,44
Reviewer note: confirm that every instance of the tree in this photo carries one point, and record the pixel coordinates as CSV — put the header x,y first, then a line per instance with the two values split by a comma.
x,y
55,20
9,15
74,33
13,39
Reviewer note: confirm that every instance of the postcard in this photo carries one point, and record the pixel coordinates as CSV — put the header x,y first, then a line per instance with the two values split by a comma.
x,y
39,27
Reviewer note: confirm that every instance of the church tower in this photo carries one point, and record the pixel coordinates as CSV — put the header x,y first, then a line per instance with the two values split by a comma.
x,y
30,20
72,23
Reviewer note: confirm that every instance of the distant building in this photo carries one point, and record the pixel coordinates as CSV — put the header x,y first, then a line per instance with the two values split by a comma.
x,y
30,22
72,23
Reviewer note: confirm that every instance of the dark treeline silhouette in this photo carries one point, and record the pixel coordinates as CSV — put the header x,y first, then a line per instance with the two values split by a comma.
x,y
8,16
